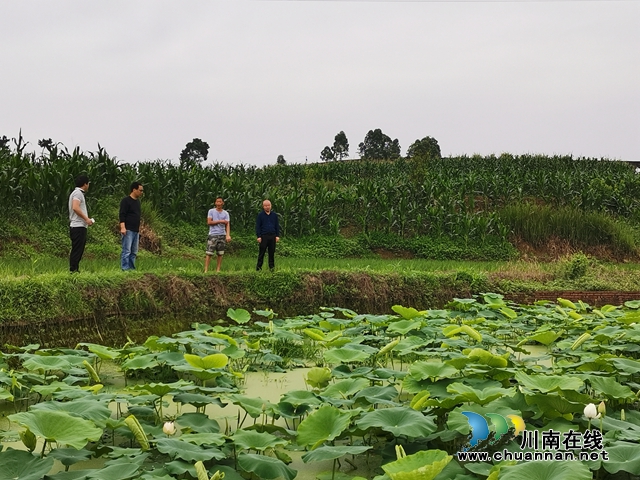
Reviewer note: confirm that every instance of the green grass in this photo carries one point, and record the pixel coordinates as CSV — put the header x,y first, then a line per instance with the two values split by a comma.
x,y
15,267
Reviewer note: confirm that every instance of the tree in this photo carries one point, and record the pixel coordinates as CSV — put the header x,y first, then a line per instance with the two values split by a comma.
x,y
339,150
426,148
4,143
280,160
194,153
326,155
378,146
340,146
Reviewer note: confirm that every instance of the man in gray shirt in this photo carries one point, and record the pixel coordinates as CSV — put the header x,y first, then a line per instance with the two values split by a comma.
x,y
78,222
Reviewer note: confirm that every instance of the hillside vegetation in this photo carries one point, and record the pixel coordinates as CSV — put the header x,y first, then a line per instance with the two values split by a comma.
x,y
451,208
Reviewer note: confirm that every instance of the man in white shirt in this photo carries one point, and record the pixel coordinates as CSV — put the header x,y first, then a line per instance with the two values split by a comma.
x,y
219,234
78,222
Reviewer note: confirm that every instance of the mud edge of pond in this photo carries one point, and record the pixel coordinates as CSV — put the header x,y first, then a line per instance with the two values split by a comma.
x,y
64,312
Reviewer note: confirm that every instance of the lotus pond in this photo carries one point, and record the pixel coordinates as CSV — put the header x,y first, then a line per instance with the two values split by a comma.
x,y
338,395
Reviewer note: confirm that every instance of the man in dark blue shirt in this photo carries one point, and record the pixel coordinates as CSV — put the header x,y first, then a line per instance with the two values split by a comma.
x,y
268,233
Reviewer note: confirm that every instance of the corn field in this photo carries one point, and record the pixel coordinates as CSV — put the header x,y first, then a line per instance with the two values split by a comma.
x,y
459,197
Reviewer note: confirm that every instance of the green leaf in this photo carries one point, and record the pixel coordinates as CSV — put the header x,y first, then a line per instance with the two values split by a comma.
x,y
487,358
198,422
187,451
424,465
86,408
217,360
240,315
59,427
253,406
216,439
331,453
69,456
549,383
345,355
318,377
46,364
406,313
18,464
623,456
404,326
539,470
323,425
400,421
481,397
267,468
610,388
252,440
432,370
345,388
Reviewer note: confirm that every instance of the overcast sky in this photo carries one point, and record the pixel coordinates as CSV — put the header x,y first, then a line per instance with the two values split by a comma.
x,y
256,79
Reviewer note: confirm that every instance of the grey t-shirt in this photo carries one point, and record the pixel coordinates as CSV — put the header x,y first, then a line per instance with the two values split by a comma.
x,y
218,228
76,220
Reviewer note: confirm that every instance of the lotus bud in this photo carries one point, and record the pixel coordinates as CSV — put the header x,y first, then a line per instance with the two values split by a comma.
x,y
591,412
169,428
29,439
602,408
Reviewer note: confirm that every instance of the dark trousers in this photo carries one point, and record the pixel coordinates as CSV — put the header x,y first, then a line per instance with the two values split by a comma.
x,y
268,242
78,241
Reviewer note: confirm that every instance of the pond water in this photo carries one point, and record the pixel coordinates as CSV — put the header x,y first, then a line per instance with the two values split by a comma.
x,y
269,386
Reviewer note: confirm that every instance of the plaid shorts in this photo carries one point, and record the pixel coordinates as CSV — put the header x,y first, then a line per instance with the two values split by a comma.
x,y
216,244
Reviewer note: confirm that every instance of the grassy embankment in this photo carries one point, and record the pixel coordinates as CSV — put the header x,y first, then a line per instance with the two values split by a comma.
x,y
417,232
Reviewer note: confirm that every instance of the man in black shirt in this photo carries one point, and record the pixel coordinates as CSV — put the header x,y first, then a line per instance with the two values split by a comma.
x,y
130,226
268,233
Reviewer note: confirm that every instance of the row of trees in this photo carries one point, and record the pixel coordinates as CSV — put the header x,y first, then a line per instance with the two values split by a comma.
x,y
379,146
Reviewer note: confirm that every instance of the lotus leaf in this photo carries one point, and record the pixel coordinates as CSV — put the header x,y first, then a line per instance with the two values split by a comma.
x,y
345,355
404,326
18,464
399,421
545,338
5,395
424,465
240,315
610,388
345,388
487,358
216,360
549,383
266,468
377,395
251,440
318,377
198,422
432,370
481,397
105,353
197,399
47,364
324,424
96,411
253,406
216,439
554,405
69,456
59,427
539,470
624,457
406,313
187,451
141,362
331,453
122,471
300,397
